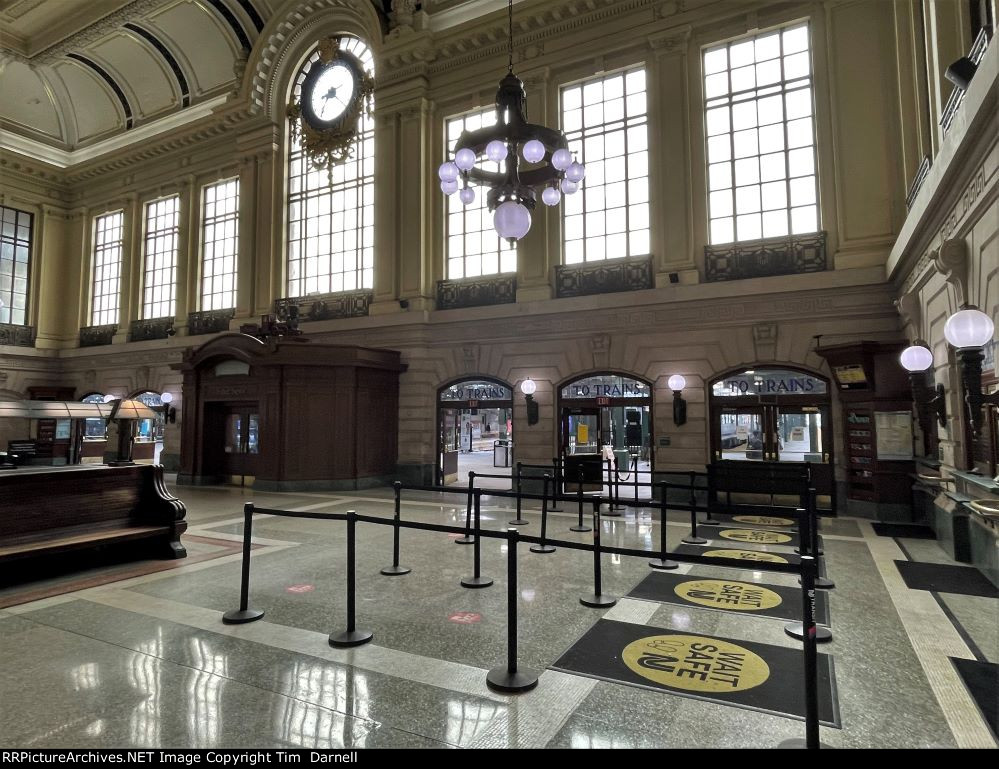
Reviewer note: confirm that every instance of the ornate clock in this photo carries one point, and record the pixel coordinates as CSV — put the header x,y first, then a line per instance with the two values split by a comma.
x,y
333,94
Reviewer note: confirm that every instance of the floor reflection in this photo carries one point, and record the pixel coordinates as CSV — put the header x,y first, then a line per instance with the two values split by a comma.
x,y
314,714
466,719
145,671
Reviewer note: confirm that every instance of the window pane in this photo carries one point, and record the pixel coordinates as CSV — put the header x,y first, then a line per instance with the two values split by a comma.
x,y
609,217
106,273
159,285
759,113
331,220
15,250
473,247
220,244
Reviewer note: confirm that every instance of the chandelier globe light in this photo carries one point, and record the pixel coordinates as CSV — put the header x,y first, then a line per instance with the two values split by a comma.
x,y
512,192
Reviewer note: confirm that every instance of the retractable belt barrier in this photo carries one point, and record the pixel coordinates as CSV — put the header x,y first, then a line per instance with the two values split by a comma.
x,y
510,677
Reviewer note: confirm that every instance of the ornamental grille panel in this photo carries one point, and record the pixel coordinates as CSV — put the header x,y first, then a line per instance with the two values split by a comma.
x,y
476,292
154,328
95,336
606,277
208,321
17,336
353,304
765,258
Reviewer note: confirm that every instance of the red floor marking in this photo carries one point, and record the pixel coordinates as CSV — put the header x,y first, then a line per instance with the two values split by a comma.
x,y
465,617
300,588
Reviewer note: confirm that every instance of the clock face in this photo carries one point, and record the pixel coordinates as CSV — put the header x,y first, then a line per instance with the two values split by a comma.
x,y
331,93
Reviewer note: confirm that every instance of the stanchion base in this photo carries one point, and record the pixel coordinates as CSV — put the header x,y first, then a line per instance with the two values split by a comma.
x,y
395,571
467,540
349,638
822,633
711,522
237,617
474,582
518,522
542,549
800,744
798,551
618,507
554,509
694,541
502,680
611,513
595,601
658,563
580,528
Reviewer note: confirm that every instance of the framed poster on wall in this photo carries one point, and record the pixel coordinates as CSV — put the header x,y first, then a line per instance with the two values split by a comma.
x,y
893,430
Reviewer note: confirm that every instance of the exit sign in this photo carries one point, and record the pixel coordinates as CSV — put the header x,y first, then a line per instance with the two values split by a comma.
x,y
603,401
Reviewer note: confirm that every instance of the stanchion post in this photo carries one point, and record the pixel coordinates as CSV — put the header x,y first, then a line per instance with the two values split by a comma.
x,y
511,678
809,571
556,483
467,539
395,570
244,613
477,580
520,518
351,636
580,526
612,508
636,477
597,599
812,511
662,562
693,539
821,633
543,546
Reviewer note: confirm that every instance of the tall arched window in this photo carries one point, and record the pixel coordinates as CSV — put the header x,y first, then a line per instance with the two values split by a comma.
x,y
331,218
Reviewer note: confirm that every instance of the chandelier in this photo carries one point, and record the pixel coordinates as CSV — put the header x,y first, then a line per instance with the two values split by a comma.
x,y
512,192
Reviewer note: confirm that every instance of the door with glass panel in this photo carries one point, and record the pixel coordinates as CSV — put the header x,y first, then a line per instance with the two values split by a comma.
x,y
744,434
581,435
241,446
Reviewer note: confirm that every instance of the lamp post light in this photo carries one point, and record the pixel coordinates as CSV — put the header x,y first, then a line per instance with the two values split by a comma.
x,y
969,330
169,412
529,387
676,383
917,360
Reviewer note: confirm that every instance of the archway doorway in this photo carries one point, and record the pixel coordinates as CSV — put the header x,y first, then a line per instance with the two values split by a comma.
x,y
604,416
475,431
778,415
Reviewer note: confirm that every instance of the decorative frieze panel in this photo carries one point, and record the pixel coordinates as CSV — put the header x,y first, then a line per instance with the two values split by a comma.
x,y
476,292
353,304
604,277
17,336
153,328
765,258
209,321
95,336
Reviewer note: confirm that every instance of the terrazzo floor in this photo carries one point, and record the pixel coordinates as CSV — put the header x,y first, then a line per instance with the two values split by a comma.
x,y
147,662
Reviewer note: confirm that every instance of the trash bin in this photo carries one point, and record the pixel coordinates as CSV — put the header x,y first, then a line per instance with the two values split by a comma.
x,y
501,452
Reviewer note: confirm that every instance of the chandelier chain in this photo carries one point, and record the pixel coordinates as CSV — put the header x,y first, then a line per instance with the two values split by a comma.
x,y
509,10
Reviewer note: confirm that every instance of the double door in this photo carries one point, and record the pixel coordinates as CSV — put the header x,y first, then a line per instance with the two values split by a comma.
x,y
241,444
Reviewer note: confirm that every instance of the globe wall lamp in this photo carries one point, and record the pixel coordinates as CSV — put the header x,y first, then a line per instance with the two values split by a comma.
x,y
512,192
169,412
529,387
969,330
676,383
917,360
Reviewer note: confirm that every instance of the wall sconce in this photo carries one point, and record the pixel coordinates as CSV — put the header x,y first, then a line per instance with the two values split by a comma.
x,y
917,359
969,330
169,412
676,383
529,387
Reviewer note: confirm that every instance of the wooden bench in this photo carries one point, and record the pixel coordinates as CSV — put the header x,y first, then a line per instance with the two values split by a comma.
x,y
46,511
737,486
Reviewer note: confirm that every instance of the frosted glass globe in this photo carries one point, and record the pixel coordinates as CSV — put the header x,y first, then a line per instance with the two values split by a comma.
x,y
448,172
534,151
575,172
467,195
562,159
969,328
166,398
449,188
512,220
568,187
464,158
916,358
496,151
676,383
528,386
109,398
551,196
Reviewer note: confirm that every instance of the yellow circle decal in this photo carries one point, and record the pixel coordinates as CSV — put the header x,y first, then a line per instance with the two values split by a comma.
x,y
741,596
746,555
759,537
763,520
695,663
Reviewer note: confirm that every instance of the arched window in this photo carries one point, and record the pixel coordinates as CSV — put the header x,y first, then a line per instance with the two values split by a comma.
x,y
331,218
94,428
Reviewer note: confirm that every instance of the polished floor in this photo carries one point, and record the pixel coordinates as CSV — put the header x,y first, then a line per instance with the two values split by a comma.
x,y
146,661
